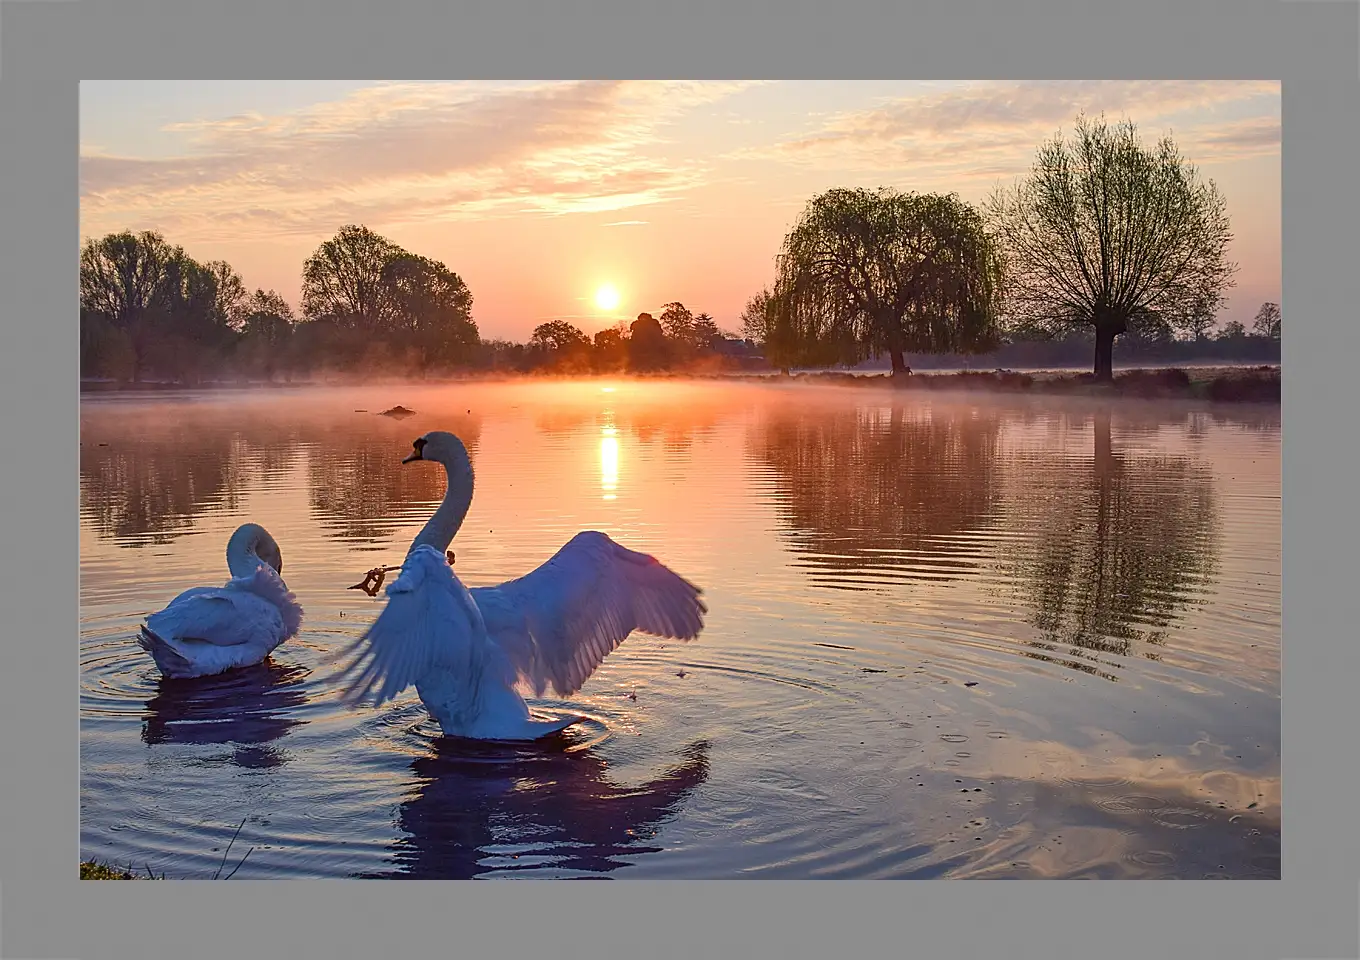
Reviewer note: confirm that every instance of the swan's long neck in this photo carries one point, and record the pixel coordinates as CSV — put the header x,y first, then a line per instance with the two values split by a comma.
x,y
439,530
243,557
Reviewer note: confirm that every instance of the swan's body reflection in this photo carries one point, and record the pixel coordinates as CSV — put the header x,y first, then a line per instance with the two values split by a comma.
x,y
250,708
480,808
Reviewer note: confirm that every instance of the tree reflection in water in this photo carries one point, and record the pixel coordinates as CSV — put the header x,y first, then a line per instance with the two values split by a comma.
x,y
1117,550
876,495
358,487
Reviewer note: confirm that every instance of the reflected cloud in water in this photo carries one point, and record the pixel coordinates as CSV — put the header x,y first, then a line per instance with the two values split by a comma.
x,y
248,708
1129,830
481,809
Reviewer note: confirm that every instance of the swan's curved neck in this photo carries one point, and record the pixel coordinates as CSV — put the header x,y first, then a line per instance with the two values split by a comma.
x,y
439,530
243,557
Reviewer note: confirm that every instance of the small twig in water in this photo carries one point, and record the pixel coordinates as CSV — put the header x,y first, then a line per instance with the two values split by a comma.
x,y
229,850
238,865
373,580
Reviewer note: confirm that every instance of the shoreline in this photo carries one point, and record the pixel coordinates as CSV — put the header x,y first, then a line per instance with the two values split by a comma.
x,y
1213,383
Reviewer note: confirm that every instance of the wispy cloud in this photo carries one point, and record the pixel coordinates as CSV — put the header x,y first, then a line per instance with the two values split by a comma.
x,y
986,130
627,223
402,152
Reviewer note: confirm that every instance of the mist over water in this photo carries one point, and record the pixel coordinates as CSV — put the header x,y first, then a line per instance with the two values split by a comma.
x,y
949,636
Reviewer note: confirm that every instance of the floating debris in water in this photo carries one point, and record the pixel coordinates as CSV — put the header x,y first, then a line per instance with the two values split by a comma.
x,y
398,412
970,683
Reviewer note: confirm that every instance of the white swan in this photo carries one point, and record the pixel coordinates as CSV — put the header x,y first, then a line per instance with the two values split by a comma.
x,y
209,630
467,651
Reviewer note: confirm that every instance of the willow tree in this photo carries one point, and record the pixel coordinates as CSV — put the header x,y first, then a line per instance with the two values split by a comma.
x,y
869,272
1105,232
769,320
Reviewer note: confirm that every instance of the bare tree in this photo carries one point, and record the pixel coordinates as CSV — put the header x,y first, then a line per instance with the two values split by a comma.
x,y
1267,323
1104,231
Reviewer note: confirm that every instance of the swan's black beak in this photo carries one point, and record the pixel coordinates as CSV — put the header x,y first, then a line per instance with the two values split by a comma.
x,y
417,446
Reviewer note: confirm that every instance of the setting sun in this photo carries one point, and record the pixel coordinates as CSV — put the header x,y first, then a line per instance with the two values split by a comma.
x,y
607,298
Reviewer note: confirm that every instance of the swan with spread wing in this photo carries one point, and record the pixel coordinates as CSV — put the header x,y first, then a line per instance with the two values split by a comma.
x,y
470,653
210,630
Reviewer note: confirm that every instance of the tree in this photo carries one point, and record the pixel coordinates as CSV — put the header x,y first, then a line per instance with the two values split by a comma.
x,y
1104,231
1197,325
1233,330
566,348
647,344
231,299
704,331
1267,323
676,321
609,351
344,280
122,281
267,330
557,335
769,325
431,309
868,272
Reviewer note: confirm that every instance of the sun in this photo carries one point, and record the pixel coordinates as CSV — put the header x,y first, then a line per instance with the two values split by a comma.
x,y
607,298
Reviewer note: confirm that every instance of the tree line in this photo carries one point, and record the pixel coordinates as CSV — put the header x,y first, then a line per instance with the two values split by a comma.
x,y
1103,239
368,306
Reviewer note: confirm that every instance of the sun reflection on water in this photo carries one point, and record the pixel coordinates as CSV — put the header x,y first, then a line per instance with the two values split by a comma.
x,y
609,462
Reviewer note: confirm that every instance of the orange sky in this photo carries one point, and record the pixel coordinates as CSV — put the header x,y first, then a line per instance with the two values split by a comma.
x,y
537,194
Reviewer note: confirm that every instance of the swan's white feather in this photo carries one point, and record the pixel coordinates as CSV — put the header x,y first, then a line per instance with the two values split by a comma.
x,y
557,623
428,623
207,630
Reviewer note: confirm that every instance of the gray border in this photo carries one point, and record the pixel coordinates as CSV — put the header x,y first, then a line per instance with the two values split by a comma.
x,y
1312,47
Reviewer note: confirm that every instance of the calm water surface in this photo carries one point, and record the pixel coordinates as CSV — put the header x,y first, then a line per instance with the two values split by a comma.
x,y
947,637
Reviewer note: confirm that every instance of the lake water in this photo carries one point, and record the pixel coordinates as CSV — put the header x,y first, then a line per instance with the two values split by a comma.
x,y
948,636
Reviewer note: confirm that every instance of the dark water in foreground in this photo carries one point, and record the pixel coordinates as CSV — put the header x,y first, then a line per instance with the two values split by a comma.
x,y
948,637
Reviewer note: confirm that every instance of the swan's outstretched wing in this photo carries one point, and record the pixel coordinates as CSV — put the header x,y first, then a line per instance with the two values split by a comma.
x,y
429,621
559,622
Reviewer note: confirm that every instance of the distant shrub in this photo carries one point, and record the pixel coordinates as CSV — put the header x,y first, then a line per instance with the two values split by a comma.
x,y
1254,388
1170,381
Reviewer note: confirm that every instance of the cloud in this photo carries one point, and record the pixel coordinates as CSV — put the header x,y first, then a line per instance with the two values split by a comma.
x,y
1257,136
989,130
627,223
399,152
